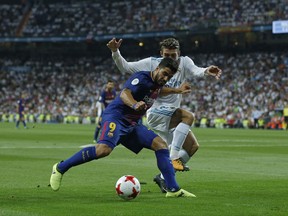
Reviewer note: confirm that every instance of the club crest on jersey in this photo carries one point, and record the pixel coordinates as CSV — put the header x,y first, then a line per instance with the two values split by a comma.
x,y
110,134
135,81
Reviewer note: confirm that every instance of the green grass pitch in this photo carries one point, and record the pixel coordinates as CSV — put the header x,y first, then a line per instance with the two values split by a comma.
x,y
235,172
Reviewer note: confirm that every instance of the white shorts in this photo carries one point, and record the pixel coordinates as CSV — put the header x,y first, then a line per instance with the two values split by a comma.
x,y
166,136
99,108
158,118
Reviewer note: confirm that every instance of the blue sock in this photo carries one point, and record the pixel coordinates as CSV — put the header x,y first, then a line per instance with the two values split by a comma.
x,y
24,123
165,166
17,123
85,155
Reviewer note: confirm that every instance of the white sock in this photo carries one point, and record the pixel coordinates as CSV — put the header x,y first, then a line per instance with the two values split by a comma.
x,y
184,156
179,137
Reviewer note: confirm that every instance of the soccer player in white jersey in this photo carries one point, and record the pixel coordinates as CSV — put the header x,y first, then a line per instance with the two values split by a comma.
x,y
170,122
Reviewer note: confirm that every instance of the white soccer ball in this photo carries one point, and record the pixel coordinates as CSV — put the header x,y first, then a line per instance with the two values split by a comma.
x,y
128,187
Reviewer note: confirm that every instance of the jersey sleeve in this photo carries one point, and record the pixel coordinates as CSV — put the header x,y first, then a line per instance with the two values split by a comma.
x,y
135,85
191,69
130,67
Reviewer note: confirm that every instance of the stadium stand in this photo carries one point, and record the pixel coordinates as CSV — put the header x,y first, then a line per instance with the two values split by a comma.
x,y
48,18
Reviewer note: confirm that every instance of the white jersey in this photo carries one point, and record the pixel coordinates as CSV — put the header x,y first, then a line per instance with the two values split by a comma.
x,y
186,70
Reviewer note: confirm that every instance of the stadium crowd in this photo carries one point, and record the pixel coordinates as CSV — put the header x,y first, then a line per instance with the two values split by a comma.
x,y
88,18
252,86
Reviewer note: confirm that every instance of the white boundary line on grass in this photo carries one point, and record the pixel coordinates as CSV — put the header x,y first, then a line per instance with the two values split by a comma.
x,y
275,144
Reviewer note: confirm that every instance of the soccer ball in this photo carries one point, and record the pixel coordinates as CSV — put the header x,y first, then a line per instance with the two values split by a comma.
x,y
128,187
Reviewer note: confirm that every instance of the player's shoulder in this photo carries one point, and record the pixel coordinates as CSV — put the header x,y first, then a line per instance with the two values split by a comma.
x,y
142,74
152,58
185,61
155,60
140,77
185,58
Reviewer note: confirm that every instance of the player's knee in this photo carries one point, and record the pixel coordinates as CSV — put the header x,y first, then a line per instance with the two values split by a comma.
x,y
186,116
158,144
190,117
103,150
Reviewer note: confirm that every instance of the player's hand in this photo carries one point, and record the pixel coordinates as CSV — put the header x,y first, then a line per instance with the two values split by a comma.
x,y
185,88
214,71
114,45
140,105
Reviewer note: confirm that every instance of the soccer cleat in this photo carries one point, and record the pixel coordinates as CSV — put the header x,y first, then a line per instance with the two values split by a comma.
x,y
161,183
179,165
56,178
179,193
186,168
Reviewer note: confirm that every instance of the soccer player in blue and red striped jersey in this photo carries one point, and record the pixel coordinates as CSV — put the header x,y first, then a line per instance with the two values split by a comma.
x,y
121,125
107,96
20,111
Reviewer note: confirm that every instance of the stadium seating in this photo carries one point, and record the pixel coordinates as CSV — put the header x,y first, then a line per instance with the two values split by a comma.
x,y
111,17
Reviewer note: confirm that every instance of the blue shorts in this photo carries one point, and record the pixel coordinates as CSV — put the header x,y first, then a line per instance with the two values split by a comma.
x,y
134,137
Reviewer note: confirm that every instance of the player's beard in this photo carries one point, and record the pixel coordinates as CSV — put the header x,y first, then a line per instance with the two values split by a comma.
x,y
160,81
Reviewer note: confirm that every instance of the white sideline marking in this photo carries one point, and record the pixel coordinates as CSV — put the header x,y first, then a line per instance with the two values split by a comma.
x,y
88,145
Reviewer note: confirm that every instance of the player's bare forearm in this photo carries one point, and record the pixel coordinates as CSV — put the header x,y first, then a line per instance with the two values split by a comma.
x,y
183,89
128,99
166,91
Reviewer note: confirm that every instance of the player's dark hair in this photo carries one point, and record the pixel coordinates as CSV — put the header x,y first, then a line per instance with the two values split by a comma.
x,y
170,63
170,43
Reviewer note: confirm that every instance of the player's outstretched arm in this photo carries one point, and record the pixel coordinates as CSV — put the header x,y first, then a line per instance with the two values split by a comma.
x,y
183,89
122,64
